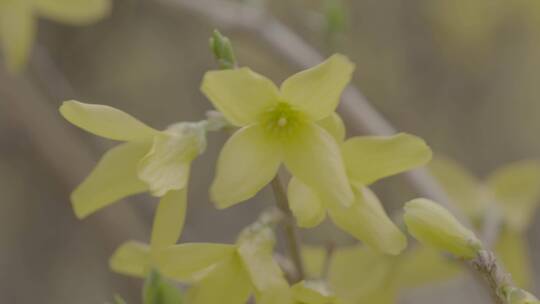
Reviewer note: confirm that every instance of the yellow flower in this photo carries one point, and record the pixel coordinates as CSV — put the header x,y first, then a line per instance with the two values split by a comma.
x,y
18,22
218,273
435,226
149,160
367,159
384,276
512,190
279,126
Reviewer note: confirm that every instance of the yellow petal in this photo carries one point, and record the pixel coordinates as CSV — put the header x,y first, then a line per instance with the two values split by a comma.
x,y
247,162
17,31
227,283
316,91
463,188
517,190
334,125
371,158
367,221
313,156
312,292
305,205
513,251
106,121
169,219
351,265
166,167
314,258
423,265
435,226
77,12
113,178
183,262
240,94
131,258
255,248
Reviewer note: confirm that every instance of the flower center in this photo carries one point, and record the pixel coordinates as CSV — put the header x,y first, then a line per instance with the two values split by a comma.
x,y
281,119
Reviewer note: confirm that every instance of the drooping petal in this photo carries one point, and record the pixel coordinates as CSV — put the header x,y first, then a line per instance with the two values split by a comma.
x,y
77,12
255,248
184,261
169,219
113,178
334,125
131,258
371,158
367,221
313,156
166,167
17,32
106,121
316,91
226,283
305,205
240,94
463,188
517,190
513,251
247,162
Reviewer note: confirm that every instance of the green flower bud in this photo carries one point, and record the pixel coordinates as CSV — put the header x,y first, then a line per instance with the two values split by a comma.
x,y
222,49
435,226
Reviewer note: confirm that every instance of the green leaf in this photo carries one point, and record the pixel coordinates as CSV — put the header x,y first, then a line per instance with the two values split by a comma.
x,y
76,12
17,32
517,190
158,291
370,158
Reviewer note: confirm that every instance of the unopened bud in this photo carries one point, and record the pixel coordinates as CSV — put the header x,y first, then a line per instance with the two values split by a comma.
x,y
435,226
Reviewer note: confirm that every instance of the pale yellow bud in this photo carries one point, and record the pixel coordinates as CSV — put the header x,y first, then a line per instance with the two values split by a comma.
x,y
435,226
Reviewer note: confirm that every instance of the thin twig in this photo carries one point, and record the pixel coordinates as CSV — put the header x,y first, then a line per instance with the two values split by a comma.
x,y
291,235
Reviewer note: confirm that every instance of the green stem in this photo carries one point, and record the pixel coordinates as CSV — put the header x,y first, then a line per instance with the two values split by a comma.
x,y
291,236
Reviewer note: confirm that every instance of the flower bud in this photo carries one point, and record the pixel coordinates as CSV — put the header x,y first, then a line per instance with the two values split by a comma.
x,y
435,226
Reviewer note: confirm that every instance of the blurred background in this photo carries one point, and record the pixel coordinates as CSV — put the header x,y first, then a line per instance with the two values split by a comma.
x,y
462,74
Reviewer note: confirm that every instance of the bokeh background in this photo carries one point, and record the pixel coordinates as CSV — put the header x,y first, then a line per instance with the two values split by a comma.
x,y
462,74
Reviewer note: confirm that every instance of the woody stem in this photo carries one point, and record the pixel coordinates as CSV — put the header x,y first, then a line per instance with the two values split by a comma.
x,y
291,234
